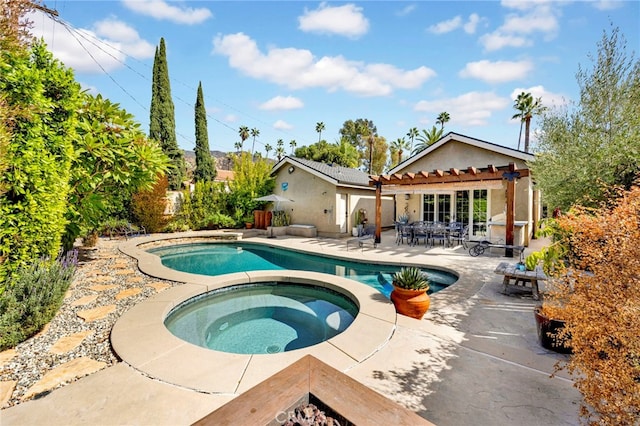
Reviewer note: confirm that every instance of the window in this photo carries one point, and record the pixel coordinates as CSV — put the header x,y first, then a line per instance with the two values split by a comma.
x,y
462,207
429,207
444,208
480,212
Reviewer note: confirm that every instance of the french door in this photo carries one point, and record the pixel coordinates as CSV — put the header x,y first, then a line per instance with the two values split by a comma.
x,y
467,206
436,207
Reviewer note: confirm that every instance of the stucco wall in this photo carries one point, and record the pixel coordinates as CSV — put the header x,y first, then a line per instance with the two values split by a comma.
x,y
454,154
315,202
460,156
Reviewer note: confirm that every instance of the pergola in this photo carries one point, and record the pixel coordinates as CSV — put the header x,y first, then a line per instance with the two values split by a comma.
x,y
424,179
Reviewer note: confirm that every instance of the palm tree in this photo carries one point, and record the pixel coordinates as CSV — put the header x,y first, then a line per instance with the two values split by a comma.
x,y
292,144
528,107
319,129
267,148
244,135
238,146
443,117
428,138
371,139
399,145
279,149
412,133
254,133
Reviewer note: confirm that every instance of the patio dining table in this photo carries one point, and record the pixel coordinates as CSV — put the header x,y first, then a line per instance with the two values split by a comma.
x,y
430,232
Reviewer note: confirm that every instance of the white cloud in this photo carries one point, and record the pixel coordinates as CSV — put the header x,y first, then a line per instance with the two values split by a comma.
x,y
539,20
110,41
230,118
298,68
456,22
407,10
469,109
280,103
161,10
518,28
128,37
608,4
446,26
471,25
282,125
497,40
496,72
346,20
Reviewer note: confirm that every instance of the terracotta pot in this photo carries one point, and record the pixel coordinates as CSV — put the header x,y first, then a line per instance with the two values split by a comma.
x,y
548,329
412,303
249,225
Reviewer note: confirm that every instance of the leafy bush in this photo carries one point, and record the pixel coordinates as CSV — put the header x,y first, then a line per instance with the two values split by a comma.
x,y
149,206
44,97
177,224
32,297
112,227
599,298
204,207
252,179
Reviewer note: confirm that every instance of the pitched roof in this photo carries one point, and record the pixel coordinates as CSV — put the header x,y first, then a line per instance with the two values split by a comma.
x,y
335,174
521,155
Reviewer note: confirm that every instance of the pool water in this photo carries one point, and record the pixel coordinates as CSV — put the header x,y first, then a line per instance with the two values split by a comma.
x,y
263,318
225,258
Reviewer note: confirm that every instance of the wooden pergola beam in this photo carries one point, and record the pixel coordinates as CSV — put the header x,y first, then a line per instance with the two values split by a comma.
x,y
510,172
472,174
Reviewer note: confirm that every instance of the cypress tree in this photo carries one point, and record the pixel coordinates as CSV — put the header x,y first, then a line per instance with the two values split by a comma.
x,y
205,170
162,122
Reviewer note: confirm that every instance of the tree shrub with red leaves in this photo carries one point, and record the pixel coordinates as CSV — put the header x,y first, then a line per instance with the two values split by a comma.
x,y
601,294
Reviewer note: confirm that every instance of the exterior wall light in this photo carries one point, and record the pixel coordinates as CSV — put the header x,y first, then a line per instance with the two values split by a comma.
x,y
291,169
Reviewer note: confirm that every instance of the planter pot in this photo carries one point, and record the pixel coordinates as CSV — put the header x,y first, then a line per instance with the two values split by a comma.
x,y
548,329
412,303
354,231
249,225
259,218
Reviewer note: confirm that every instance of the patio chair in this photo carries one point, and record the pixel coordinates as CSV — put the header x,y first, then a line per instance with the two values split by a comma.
x,y
420,231
459,233
368,235
439,233
406,231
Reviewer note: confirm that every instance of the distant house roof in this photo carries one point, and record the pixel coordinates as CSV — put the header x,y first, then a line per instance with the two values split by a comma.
x,y
223,175
338,175
521,155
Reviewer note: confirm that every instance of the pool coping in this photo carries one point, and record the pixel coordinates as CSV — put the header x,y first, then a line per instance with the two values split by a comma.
x,y
141,340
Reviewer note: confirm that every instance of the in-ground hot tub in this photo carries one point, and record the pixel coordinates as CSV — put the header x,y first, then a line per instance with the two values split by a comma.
x,y
141,339
262,318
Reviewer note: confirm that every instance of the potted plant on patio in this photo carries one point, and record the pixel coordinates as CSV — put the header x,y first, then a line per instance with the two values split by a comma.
x,y
550,315
409,295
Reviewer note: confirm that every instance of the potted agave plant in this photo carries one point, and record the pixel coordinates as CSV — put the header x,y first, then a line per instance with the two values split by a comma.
x,y
409,295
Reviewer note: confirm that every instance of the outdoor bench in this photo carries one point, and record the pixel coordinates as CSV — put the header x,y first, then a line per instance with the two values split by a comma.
x,y
520,278
299,230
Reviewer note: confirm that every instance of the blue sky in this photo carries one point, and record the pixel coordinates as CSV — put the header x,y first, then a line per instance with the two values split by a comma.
x,y
283,66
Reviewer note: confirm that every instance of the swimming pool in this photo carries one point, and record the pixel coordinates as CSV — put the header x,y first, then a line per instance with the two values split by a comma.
x,y
263,318
225,258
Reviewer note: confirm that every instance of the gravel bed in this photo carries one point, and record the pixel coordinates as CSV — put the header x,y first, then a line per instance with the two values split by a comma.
x,y
97,266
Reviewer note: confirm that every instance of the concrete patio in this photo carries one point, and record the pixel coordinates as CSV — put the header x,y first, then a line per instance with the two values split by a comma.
x,y
473,359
